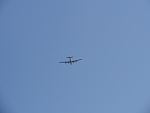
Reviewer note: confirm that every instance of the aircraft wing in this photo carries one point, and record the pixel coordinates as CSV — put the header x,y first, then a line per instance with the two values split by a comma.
x,y
76,60
64,62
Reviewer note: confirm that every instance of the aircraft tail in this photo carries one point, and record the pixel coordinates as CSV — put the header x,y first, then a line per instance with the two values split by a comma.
x,y
70,57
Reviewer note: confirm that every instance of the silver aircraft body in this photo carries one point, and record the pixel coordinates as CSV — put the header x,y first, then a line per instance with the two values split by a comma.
x,y
70,60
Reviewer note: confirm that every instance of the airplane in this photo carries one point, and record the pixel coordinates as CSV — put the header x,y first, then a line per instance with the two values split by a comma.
x,y
70,61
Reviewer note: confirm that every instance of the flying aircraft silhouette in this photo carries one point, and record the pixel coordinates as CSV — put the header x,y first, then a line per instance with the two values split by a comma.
x,y
70,60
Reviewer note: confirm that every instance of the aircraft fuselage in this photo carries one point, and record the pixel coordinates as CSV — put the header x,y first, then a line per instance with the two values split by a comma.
x,y
70,61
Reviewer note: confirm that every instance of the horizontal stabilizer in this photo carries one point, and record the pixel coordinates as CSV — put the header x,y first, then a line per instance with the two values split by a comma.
x,y
70,57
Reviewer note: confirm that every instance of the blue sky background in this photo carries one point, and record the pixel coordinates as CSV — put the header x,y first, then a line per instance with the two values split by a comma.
x,y
111,36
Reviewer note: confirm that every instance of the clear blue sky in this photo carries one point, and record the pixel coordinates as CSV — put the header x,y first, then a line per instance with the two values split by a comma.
x,y
111,36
